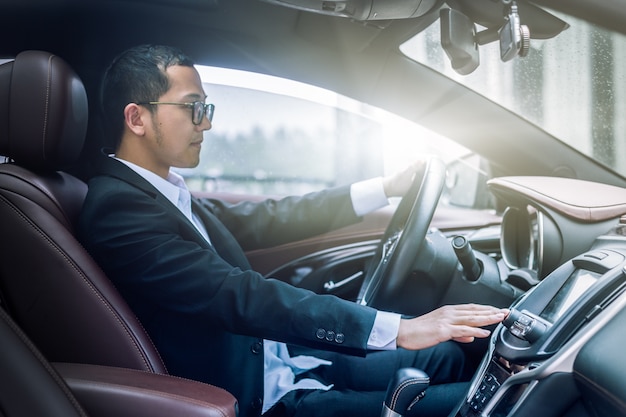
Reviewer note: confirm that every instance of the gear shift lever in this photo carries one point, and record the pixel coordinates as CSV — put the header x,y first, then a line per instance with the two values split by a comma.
x,y
405,389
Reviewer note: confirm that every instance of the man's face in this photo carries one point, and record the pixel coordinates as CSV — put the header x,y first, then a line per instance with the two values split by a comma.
x,y
173,140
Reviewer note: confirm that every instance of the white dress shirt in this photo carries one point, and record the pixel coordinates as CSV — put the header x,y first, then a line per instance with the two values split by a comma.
x,y
280,369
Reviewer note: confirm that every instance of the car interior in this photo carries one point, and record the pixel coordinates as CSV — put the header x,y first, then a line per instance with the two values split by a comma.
x,y
553,250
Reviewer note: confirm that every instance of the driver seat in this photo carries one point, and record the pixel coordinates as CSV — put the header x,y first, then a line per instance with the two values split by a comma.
x,y
49,284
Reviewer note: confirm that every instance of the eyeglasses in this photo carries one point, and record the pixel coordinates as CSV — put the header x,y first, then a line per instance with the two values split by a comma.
x,y
198,109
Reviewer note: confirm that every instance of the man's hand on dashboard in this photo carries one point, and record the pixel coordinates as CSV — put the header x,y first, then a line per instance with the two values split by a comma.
x,y
461,323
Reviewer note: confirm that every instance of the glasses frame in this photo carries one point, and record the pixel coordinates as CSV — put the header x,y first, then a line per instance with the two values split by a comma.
x,y
205,109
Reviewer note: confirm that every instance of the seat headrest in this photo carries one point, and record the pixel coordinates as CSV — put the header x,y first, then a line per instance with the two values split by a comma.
x,y
43,111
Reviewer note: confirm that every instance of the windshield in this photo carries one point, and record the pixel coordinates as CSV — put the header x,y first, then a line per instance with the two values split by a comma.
x,y
573,86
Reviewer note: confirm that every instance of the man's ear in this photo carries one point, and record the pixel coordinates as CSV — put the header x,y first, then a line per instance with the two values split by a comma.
x,y
133,118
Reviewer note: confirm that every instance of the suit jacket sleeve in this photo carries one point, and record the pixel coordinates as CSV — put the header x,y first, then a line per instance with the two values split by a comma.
x,y
159,263
273,222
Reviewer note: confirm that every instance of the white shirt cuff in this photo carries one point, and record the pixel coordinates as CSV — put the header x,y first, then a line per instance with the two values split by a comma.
x,y
368,195
385,331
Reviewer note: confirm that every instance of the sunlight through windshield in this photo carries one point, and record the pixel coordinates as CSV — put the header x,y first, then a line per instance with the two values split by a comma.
x,y
573,86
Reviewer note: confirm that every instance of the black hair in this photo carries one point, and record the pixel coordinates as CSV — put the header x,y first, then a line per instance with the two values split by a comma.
x,y
137,75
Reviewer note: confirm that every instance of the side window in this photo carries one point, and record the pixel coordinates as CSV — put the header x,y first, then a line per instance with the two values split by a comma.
x,y
272,136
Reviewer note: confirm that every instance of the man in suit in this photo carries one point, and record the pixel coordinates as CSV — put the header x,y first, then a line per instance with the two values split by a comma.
x,y
180,264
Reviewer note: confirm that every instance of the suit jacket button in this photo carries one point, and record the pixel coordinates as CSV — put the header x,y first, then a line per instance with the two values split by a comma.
x,y
339,338
320,334
330,335
257,347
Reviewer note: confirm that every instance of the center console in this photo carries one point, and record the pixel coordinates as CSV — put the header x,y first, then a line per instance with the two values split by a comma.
x,y
541,323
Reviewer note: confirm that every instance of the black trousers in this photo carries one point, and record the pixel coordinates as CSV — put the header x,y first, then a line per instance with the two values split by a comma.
x,y
360,384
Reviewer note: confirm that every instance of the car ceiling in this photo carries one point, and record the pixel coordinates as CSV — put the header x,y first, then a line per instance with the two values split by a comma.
x,y
354,58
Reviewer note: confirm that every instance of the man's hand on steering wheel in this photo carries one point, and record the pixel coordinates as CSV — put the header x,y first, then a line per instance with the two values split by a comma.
x,y
398,183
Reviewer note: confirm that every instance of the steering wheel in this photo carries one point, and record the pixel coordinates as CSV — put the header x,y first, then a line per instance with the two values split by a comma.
x,y
403,237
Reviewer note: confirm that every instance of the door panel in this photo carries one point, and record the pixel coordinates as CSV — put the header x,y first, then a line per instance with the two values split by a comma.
x,y
449,220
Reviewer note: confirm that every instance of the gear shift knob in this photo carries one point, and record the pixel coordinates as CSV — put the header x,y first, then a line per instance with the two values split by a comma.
x,y
405,389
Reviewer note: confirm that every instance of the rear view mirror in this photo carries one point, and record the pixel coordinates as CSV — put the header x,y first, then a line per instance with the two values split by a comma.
x,y
466,183
458,38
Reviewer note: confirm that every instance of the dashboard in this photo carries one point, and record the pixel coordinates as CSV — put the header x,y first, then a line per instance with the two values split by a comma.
x,y
549,220
533,352
545,358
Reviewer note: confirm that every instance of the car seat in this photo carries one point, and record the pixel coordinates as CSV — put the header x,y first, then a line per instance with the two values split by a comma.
x,y
31,386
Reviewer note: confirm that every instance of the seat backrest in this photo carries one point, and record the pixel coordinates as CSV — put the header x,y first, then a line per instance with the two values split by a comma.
x,y
29,385
48,283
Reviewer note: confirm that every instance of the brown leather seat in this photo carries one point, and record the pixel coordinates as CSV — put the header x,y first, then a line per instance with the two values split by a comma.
x,y
29,386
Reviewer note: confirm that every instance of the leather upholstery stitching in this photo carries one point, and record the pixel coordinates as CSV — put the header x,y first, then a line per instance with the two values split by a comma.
x,y
43,190
47,107
84,278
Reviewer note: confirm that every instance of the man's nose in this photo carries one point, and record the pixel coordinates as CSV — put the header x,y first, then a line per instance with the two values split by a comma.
x,y
206,124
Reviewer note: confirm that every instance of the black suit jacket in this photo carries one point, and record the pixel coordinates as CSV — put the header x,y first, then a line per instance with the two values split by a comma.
x,y
205,309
